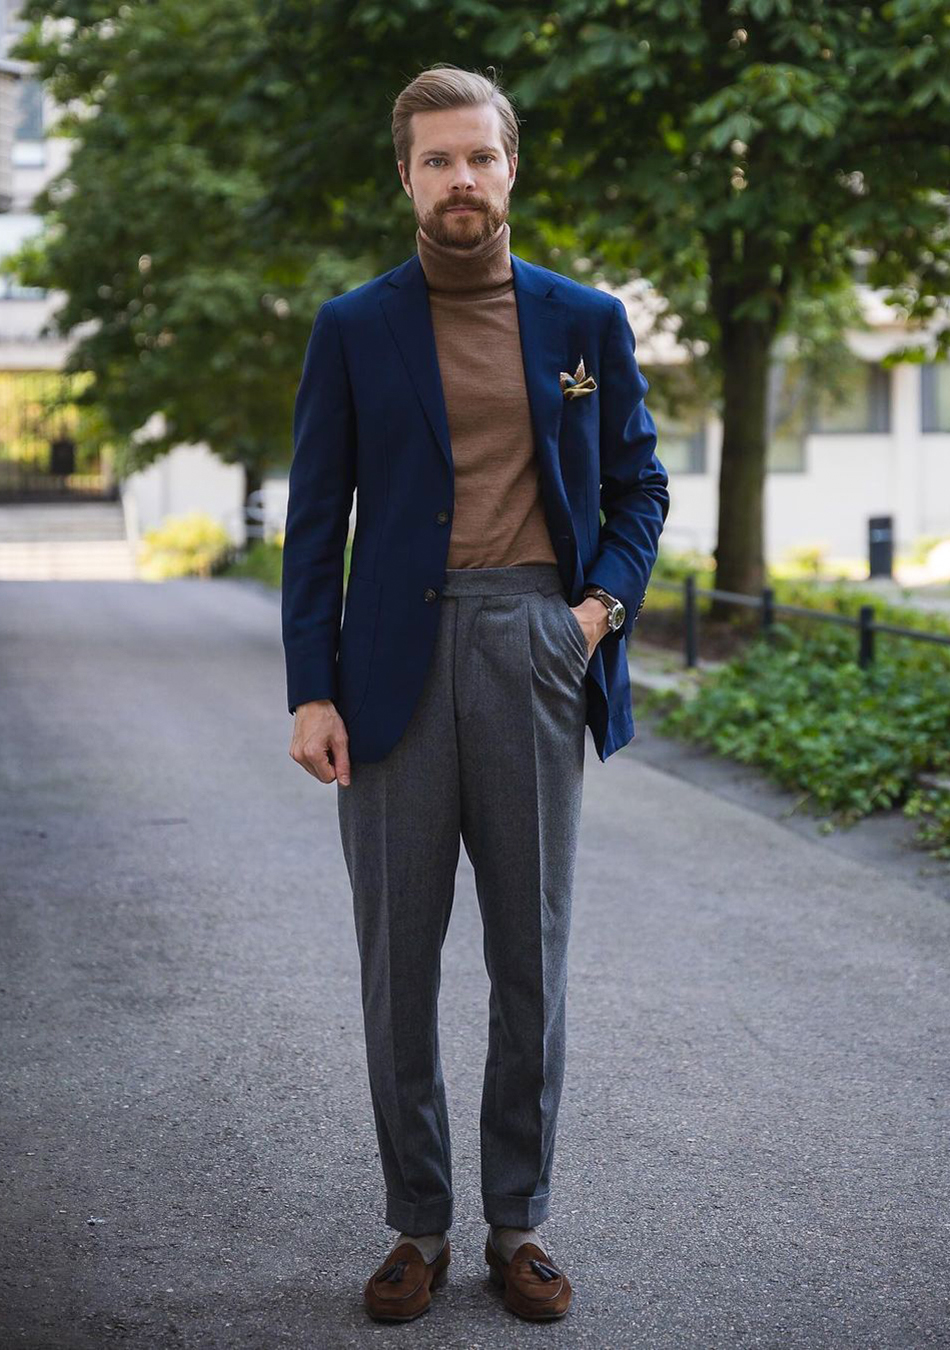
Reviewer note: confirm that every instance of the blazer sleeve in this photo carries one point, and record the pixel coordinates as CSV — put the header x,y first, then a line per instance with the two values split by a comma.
x,y
322,483
633,493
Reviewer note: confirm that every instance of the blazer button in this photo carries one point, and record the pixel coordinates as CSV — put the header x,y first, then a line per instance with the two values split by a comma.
x,y
429,594
442,517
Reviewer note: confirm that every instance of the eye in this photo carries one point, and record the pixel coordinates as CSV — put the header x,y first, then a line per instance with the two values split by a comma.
x,y
434,158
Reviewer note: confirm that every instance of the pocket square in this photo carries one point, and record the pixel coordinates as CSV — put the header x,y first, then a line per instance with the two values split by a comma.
x,y
573,386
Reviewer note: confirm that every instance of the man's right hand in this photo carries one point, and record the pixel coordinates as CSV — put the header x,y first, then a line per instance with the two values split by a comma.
x,y
320,742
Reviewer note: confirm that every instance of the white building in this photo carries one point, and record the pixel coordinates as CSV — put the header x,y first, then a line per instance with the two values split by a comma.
x,y
882,450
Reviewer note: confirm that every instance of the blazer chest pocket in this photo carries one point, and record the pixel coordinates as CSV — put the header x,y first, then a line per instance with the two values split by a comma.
x,y
582,413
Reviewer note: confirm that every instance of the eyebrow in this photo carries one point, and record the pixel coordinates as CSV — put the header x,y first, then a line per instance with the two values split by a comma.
x,y
481,148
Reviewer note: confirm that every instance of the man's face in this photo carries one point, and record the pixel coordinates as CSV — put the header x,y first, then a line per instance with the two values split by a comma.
x,y
457,158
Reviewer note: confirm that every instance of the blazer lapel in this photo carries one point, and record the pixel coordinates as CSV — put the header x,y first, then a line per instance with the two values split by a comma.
x,y
405,304
542,325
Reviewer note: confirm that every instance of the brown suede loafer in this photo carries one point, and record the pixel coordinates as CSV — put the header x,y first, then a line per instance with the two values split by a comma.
x,y
534,1287
399,1289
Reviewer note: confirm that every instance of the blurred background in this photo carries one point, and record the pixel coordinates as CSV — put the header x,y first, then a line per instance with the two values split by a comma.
x,y
764,186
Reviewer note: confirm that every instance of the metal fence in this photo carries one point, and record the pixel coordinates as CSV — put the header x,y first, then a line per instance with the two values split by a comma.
x,y
865,623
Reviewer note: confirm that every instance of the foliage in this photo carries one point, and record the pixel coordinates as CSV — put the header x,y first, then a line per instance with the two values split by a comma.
x,y
262,562
852,741
191,545
842,598
655,134
807,560
671,566
827,597
924,545
233,166
177,303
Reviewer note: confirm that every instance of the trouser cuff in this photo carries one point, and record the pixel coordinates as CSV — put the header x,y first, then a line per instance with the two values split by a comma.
x,y
433,1216
516,1211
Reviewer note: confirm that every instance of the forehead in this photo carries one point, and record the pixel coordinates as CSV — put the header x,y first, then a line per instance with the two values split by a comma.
x,y
455,129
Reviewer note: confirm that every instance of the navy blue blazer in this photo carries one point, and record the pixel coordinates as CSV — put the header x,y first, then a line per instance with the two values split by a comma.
x,y
370,415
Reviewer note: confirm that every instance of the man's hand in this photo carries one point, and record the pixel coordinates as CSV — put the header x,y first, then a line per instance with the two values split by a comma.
x,y
592,617
320,742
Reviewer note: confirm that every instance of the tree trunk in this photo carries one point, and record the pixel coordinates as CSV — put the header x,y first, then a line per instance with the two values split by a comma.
x,y
740,562
253,480
746,345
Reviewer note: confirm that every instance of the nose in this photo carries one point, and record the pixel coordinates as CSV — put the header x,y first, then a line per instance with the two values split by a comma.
x,y
462,178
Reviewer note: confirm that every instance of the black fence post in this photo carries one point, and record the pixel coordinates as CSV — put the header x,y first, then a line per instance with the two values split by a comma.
x,y
768,610
689,618
866,632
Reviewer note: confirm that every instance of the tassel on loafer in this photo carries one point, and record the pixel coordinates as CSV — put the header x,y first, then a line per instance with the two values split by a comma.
x,y
534,1287
400,1289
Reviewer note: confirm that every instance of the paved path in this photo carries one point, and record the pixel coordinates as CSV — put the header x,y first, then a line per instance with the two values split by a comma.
x,y
753,1145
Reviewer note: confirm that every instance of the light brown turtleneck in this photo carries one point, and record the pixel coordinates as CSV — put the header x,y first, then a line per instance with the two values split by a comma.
x,y
498,518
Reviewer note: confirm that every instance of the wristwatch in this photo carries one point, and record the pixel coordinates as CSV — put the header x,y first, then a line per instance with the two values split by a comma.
x,y
616,610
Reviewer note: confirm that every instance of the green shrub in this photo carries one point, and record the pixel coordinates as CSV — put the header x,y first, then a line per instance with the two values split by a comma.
x,y
831,597
262,562
923,546
842,598
852,741
807,560
192,545
676,566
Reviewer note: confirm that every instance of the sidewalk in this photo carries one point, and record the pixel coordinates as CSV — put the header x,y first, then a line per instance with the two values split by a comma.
x,y
658,668
753,1135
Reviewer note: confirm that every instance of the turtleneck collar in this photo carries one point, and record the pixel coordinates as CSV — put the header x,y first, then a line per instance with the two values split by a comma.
x,y
466,269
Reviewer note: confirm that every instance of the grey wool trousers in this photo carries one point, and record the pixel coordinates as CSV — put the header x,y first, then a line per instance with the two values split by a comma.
x,y
493,755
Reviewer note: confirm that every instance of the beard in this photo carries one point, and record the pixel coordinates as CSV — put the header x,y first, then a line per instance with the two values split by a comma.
x,y
462,231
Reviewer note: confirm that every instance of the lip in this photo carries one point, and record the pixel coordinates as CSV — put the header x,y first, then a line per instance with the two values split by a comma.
x,y
462,210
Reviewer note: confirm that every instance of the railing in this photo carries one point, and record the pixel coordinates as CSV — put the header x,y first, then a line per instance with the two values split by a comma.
x,y
865,623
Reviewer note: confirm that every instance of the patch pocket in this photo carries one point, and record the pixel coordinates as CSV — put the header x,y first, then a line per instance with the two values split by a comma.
x,y
580,422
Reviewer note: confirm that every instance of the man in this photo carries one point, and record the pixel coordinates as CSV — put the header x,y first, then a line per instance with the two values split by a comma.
x,y
485,410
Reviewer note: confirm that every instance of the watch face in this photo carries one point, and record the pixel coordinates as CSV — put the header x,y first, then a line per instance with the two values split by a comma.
x,y
618,615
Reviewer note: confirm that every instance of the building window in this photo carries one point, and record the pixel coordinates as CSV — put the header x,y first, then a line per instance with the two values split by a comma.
x,y
786,418
678,402
10,289
681,445
29,147
29,125
860,399
935,396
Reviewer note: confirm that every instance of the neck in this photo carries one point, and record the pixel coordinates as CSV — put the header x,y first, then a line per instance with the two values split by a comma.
x,y
466,269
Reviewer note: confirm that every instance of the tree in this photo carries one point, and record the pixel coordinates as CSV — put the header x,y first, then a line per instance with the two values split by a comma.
x,y
743,155
176,304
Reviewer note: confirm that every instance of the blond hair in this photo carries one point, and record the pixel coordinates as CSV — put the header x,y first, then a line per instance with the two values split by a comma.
x,y
448,86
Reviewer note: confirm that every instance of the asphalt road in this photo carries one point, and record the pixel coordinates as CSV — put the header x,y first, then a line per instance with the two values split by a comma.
x,y
753,1142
